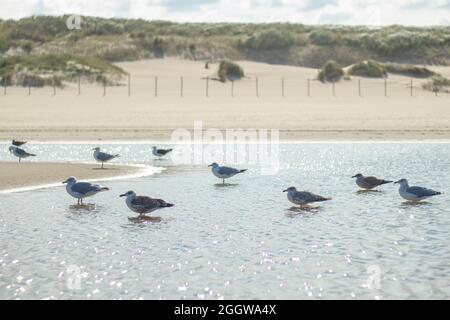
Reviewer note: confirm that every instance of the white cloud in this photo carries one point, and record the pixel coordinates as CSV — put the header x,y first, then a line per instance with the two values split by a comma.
x,y
354,12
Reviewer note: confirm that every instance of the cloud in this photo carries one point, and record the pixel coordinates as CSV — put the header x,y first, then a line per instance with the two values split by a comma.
x,y
353,12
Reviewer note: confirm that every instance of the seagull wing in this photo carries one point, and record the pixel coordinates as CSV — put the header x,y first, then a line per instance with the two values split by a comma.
x,y
308,197
422,192
163,151
375,181
228,171
85,187
103,156
147,203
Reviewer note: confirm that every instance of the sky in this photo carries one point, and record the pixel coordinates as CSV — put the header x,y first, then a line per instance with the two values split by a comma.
x,y
345,12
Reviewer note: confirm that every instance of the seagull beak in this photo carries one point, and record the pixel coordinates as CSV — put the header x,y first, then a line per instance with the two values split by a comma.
x,y
123,195
285,190
397,181
210,165
354,177
64,182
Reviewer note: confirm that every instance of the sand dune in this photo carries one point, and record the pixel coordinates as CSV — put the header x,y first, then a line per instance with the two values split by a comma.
x,y
142,115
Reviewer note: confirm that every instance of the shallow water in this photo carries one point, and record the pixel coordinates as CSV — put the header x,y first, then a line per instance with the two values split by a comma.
x,y
241,240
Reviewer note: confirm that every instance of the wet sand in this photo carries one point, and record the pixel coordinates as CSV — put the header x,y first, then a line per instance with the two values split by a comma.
x,y
14,175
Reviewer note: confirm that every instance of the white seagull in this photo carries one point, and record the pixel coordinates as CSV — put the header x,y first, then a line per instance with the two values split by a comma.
x,y
143,204
303,198
160,152
103,156
80,190
414,193
369,183
224,172
20,153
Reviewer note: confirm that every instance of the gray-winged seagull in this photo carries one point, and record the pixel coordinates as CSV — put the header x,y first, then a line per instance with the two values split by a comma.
x,y
224,172
103,156
160,152
18,143
81,190
369,183
302,198
143,204
414,193
20,153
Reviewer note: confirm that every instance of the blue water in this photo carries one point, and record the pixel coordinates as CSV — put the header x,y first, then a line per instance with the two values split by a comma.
x,y
243,240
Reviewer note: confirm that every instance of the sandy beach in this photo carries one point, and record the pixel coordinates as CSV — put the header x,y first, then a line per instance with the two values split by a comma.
x,y
14,175
179,97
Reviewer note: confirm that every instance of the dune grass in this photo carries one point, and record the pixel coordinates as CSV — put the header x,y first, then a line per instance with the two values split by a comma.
x,y
53,69
368,68
284,43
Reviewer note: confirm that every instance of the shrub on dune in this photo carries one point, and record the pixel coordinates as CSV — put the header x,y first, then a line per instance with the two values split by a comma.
x,y
229,70
331,72
408,70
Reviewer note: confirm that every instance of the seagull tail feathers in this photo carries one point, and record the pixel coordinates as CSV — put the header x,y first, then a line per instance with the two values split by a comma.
x,y
243,170
168,205
104,189
386,181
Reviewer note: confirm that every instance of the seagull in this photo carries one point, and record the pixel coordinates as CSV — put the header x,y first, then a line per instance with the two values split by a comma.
x,y
302,198
20,153
160,152
80,190
369,183
142,204
103,156
18,143
414,193
224,172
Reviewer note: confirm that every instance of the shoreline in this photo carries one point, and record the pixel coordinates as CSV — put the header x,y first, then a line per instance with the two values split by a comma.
x,y
137,136
29,176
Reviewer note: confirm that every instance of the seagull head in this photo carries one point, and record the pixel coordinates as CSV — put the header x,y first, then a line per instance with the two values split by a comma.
x,y
402,182
70,180
96,149
154,147
290,189
357,175
12,148
128,194
214,164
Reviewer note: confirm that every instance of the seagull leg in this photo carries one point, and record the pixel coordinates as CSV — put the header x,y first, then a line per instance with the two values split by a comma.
x,y
223,181
102,165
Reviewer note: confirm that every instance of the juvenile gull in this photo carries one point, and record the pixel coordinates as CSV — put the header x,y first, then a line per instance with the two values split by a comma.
x,y
81,190
369,183
224,172
160,152
103,156
414,193
142,204
302,198
20,153
18,143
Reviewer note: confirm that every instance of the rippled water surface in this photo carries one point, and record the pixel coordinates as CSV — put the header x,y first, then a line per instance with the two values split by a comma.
x,y
241,240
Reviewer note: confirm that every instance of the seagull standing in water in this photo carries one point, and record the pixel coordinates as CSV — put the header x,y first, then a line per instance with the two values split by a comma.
x,y
81,190
103,156
143,204
160,152
369,183
20,153
18,143
414,193
303,198
224,172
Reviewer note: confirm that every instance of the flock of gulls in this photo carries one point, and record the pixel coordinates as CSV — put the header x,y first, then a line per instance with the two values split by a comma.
x,y
144,205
